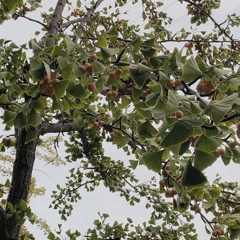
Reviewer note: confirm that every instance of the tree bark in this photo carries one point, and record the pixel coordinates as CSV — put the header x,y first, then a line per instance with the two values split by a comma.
x,y
21,177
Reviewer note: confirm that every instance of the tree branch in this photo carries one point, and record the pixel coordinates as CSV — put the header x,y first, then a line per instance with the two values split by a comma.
x,y
87,16
59,127
213,20
3,225
54,24
33,20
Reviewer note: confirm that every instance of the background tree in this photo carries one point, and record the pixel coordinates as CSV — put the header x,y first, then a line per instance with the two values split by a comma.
x,y
92,75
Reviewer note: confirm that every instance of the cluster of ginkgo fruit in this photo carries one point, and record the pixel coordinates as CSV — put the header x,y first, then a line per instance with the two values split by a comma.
x,y
205,86
116,74
97,124
169,192
218,232
47,85
174,83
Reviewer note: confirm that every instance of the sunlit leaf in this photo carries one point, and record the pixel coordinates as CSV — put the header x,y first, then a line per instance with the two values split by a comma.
x,y
70,44
102,42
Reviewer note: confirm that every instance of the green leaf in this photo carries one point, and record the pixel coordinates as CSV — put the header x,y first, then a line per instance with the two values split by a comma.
x,y
79,91
37,69
203,159
67,72
62,61
60,88
8,183
56,51
207,144
172,103
108,52
133,164
35,47
47,69
34,118
8,117
234,233
192,176
182,130
10,5
148,52
141,109
219,109
102,42
98,67
191,70
184,147
112,32
152,160
140,77
23,205
30,136
39,103
70,44
136,44
146,130
20,121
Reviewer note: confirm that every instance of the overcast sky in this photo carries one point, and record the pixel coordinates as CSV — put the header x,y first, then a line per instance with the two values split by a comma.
x,y
21,31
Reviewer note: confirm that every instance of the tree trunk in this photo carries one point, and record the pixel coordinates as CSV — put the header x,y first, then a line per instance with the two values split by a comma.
x,y
21,177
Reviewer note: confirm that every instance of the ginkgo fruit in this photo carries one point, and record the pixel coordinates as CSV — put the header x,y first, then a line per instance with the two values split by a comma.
x,y
144,62
112,75
179,114
91,87
201,87
221,151
232,144
161,183
88,68
171,83
94,57
112,135
119,71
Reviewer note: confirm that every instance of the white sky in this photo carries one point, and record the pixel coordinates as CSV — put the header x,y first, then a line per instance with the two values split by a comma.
x,y
21,31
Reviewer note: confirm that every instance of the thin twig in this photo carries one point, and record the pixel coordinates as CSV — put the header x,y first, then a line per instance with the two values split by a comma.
x,y
32,20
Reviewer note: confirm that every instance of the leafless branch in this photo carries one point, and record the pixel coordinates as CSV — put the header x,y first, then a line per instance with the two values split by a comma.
x,y
32,20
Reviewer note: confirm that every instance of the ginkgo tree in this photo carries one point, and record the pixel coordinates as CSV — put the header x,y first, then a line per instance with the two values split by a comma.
x,y
92,75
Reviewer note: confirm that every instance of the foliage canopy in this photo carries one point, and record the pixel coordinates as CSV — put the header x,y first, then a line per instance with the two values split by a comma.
x,y
91,74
